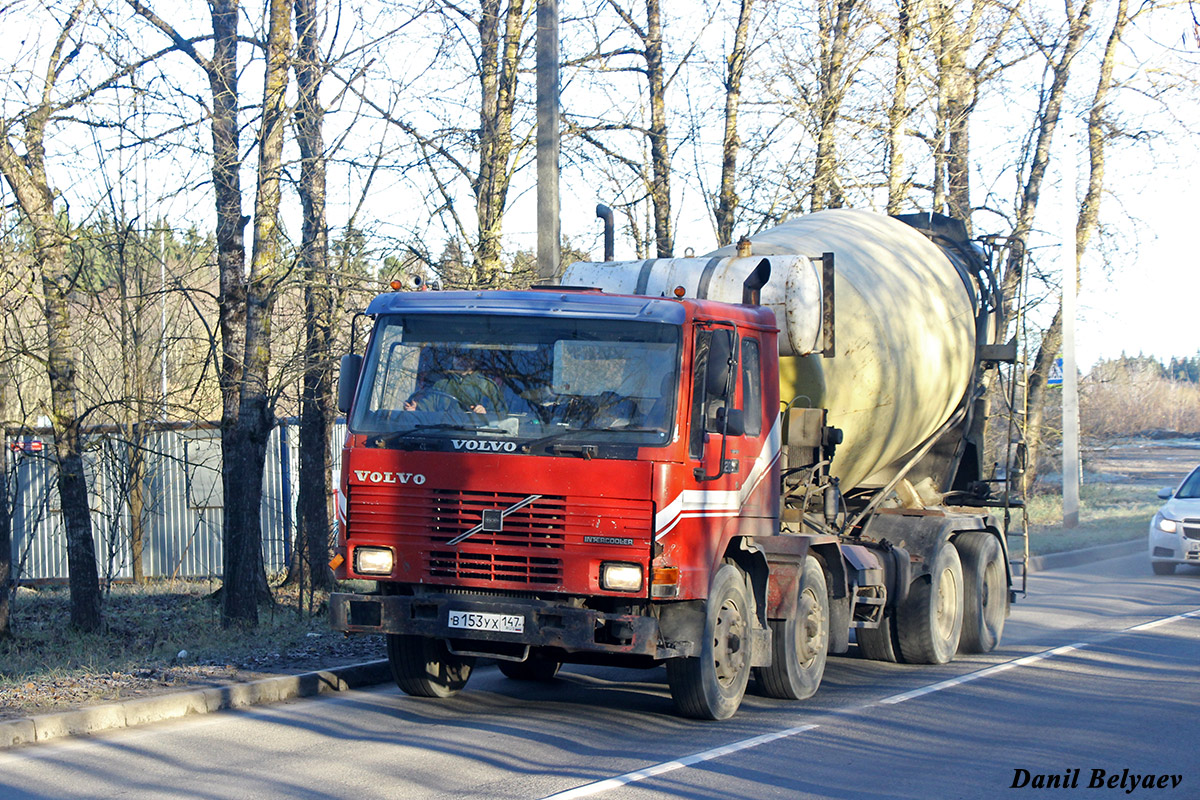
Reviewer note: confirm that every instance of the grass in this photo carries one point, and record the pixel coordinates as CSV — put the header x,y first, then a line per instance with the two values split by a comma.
x,y
1108,512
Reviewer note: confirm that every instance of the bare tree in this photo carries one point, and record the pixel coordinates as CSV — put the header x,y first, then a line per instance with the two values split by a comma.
x,y
245,302
1100,132
834,76
984,35
23,164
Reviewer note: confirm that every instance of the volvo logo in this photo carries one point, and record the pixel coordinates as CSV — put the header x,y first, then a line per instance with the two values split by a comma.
x,y
484,446
368,476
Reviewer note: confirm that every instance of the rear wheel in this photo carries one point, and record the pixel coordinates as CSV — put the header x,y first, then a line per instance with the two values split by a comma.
x,y
929,622
985,591
800,644
712,684
1163,567
531,669
423,667
879,644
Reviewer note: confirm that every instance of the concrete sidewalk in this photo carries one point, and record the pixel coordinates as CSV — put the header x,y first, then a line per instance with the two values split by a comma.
x,y
140,711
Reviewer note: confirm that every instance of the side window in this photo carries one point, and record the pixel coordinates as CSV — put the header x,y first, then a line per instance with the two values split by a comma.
x,y
751,387
699,368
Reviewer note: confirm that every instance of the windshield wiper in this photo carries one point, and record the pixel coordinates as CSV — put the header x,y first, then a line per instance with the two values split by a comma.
x,y
396,437
589,449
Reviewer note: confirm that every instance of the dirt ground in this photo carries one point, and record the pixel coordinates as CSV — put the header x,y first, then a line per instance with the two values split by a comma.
x,y
1143,462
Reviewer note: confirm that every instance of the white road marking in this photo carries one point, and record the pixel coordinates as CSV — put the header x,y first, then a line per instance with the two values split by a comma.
x,y
608,784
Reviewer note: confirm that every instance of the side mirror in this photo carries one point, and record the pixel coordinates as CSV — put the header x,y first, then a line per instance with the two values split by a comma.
x,y
1166,493
733,419
717,372
348,380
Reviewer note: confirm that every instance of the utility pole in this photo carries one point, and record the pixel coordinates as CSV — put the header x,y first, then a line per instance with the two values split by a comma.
x,y
548,233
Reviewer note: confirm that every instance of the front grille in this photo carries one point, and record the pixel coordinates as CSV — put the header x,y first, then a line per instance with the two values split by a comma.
x,y
1191,528
540,524
493,567
536,546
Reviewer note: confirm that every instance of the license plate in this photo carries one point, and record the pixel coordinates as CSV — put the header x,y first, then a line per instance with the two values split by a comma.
x,y
477,621
1193,546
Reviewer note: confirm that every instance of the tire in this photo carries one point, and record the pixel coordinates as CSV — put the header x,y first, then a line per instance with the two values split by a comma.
x,y
1163,567
985,591
879,644
929,623
536,669
423,667
800,644
712,684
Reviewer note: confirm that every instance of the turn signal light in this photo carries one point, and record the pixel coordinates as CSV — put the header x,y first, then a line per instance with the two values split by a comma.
x,y
336,561
664,582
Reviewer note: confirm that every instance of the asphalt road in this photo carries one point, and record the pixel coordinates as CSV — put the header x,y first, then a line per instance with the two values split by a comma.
x,y
1098,671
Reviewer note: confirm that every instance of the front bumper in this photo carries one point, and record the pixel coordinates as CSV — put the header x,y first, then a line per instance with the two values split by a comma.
x,y
1173,547
546,624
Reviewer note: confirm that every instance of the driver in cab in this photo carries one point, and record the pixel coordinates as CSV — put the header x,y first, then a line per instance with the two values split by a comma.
x,y
463,382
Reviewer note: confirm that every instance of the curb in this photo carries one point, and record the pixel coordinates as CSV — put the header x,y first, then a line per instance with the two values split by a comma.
x,y
1087,555
144,710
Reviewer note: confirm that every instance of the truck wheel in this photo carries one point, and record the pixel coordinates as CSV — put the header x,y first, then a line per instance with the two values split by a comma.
x,y
711,685
879,644
929,622
800,644
423,667
533,668
985,592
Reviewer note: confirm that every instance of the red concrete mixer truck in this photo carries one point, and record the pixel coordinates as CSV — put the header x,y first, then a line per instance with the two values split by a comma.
x,y
728,465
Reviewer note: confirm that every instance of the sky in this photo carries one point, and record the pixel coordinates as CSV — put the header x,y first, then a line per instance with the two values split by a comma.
x,y
1140,302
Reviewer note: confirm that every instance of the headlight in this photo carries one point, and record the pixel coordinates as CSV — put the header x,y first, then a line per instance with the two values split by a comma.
x,y
373,560
617,577
1165,525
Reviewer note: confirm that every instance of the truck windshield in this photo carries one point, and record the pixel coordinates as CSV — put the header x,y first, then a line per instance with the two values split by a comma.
x,y
526,380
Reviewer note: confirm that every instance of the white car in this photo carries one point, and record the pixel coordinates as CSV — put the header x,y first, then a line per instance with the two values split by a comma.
x,y
1175,529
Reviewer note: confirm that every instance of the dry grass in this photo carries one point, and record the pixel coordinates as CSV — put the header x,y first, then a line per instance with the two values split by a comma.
x,y
158,637
1108,512
1138,406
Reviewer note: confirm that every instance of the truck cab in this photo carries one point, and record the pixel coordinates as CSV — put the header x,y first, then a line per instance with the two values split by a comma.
x,y
611,454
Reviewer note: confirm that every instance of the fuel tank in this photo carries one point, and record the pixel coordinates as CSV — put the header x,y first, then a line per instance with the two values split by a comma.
x,y
904,325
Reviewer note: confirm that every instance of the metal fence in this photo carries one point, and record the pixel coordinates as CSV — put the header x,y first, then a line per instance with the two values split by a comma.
x,y
182,502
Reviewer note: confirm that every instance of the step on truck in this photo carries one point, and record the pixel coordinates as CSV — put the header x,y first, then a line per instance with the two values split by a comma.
x,y
728,465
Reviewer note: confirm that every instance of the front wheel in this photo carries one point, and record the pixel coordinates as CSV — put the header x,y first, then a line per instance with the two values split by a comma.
x,y
929,623
1163,567
712,684
800,644
423,667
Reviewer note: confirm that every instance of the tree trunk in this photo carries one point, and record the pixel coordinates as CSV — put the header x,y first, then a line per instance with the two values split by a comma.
x,y
26,175
898,113
727,199
660,153
834,33
6,574
68,444
245,578
316,402
499,58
